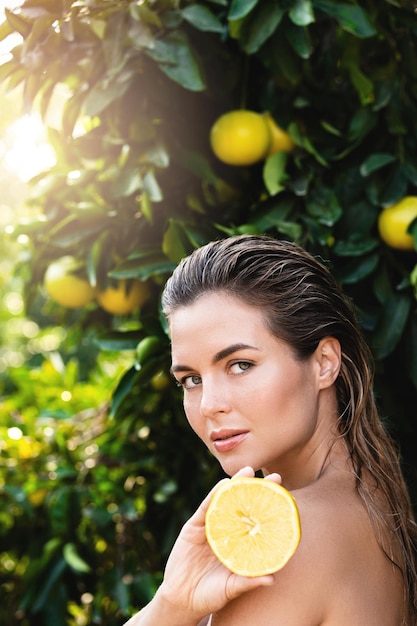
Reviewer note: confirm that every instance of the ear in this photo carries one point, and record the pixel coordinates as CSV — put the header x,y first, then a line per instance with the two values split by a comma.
x,y
329,358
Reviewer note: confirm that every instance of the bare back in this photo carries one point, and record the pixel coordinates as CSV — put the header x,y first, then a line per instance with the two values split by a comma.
x,y
350,582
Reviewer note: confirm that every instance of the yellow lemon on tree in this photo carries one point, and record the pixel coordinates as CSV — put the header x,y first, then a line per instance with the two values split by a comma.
x,y
240,137
65,286
394,221
123,297
281,140
253,526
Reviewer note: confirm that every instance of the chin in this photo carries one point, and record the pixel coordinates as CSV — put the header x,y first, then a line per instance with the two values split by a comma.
x,y
231,468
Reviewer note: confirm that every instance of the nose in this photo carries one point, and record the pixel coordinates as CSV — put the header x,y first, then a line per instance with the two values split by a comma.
x,y
214,400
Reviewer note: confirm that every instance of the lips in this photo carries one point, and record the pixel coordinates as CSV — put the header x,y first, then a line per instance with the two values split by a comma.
x,y
225,440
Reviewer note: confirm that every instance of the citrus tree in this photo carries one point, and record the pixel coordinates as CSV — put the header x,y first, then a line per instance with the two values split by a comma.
x,y
321,149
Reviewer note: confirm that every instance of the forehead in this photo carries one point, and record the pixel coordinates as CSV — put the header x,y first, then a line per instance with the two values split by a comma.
x,y
214,318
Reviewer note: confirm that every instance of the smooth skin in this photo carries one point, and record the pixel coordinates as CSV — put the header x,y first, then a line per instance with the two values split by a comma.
x,y
257,407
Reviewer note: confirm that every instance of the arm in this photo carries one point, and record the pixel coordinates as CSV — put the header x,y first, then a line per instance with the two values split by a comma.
x,y
195,584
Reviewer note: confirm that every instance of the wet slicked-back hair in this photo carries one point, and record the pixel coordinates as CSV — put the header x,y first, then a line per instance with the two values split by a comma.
x,y
302,303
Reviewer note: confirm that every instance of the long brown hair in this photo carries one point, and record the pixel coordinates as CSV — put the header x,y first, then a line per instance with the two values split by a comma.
x,y
302,303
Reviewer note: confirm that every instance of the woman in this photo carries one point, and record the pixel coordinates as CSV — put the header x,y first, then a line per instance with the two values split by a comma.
x,y
277,379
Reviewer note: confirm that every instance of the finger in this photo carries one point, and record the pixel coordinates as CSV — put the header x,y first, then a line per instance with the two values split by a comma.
x,y
245,471
274,477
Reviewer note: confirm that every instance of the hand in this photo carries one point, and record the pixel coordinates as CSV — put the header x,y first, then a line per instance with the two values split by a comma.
x,y
195,580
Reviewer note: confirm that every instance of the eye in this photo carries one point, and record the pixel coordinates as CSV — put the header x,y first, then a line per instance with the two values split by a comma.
x,y
240,366
189,382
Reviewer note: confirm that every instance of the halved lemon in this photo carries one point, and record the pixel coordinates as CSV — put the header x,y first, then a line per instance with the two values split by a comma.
x,y
253,526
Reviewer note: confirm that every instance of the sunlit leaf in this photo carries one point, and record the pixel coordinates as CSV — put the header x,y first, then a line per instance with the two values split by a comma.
x,y
260,26
104,92
173,243
302,13
274,172
18,23
299,40
375,162
202,18
362,84
177,60
73,559
241,8
127,183
152,187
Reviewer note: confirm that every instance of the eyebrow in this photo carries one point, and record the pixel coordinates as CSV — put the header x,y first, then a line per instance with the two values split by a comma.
x,y
219,356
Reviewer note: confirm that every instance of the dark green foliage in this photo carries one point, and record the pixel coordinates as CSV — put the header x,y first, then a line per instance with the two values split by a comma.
x,y
136,187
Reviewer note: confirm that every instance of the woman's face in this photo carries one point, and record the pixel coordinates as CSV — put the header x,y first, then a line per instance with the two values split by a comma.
x,y
245,394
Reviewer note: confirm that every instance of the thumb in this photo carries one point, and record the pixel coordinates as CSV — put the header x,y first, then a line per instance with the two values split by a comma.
x,y
237,585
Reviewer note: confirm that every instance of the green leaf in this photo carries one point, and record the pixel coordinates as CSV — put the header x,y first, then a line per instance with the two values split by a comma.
x,y
351,18
290,229
302,13
143,269
8,68
322,203
241,8
174,242
152,187
390,325
274,174
5,30
74,560
299,40
100,246
117,341
176,59
122,390
71,112
18,23
49,580
71,231
146,207
260,27
304,142
121,593
40,26
202,18
198,164
355,246
409,170
357,269
362,84
128,182
106,91
375,162
145,15
395,188
362,122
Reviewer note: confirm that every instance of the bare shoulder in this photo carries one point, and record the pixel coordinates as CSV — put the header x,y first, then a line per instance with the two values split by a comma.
x,y
338,576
